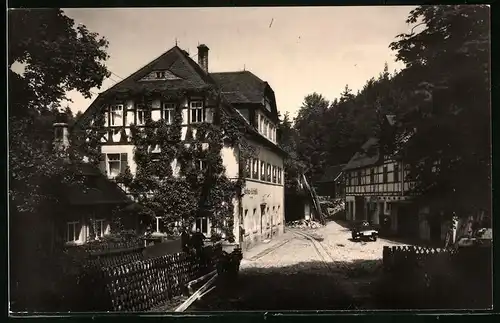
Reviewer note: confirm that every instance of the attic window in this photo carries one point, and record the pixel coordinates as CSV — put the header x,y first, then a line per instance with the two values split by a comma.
x,y
160,75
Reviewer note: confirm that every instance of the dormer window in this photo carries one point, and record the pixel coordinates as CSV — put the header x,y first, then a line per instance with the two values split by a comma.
x,y
160,75
197,112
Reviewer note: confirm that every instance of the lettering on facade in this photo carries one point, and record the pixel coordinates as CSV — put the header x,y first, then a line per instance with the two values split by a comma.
x,y
251,191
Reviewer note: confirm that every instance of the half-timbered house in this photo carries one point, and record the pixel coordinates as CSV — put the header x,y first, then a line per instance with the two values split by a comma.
x,y
376,189
259,212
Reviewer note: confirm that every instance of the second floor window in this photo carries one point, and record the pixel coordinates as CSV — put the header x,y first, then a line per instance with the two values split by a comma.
x,y
262,171
248,168
268,172
279,175
116,115
384,175
141,114
274,174
396,173
169,112
255,169
197,112
372,176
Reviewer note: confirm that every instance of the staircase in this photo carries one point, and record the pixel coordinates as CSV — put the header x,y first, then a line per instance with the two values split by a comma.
x,y
315,201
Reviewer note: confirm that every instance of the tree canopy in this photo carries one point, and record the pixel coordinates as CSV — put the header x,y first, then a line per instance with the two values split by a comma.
x,y
57,57
443,93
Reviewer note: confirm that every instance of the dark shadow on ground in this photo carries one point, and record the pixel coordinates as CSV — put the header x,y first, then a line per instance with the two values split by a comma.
x,y
305,286
362,284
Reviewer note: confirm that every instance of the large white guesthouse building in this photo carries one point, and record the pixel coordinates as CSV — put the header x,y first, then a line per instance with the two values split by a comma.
x,y
260,212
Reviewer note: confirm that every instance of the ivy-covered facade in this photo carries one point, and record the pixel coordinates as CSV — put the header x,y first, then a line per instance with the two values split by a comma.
x,y
194,149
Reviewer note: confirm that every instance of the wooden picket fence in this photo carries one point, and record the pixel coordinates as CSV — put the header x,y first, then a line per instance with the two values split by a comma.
x,y
404,257
129,282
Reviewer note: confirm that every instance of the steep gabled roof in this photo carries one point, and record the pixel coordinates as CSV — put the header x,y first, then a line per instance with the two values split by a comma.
x,y
369,154
331,174
240,87
96,189
177,62
244,85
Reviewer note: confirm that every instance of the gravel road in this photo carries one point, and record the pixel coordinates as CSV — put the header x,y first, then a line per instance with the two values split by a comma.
x,y
289,274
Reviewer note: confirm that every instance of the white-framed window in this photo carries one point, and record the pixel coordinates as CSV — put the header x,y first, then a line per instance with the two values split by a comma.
x,y
255,169
274,175
116,163
99,228
269,175
141,112
168,112
202,224
262,171
116,115
279,175
197,111
73,231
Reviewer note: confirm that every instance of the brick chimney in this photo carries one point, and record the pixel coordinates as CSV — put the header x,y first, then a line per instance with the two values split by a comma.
x,y
61,135
203,57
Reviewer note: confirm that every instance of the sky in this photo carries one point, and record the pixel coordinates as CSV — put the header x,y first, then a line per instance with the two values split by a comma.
x,y
297,50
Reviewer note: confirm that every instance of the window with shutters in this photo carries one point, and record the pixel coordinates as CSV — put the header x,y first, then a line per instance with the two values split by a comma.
x,y
116,163
197,112
116,115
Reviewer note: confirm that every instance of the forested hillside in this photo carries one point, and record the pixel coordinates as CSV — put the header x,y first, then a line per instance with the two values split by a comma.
x,y
443,93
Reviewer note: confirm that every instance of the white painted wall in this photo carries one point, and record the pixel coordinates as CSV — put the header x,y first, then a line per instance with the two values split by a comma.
x,y
230,161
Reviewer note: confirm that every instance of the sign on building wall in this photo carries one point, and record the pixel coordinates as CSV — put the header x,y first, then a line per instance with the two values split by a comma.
x,y
251,191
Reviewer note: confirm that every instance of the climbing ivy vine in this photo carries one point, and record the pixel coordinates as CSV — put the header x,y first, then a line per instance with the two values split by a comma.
x,y
179,180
